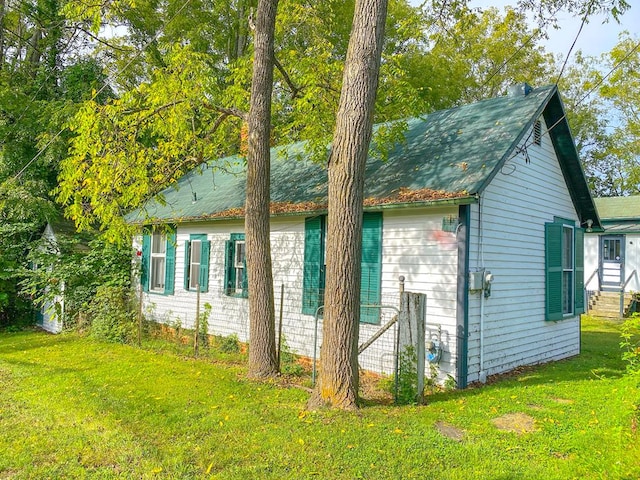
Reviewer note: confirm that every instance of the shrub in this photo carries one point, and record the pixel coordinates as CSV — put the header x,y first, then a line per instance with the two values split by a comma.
x,y
228,344
631,345
112,314
289,360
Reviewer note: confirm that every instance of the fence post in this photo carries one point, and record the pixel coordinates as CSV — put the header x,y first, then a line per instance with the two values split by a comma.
x,y
140,300
196,334
280,325
411,346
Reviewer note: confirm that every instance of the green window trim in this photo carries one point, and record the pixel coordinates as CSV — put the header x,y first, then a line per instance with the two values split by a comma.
x,y
203,267
313,281
232,267
555,292
169,263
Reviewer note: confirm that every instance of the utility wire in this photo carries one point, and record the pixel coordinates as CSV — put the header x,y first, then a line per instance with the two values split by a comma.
x,y
98,92
575,40
598,83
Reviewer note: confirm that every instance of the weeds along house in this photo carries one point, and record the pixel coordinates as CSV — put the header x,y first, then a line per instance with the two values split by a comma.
x,y
481,208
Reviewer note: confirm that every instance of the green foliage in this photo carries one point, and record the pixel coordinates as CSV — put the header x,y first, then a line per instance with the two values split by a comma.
x,y
228,344
407,381
203,322
630,334
74,267
113,315
132,147
289,364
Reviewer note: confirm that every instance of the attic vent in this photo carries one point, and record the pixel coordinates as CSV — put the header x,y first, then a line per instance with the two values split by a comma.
x,y
537,133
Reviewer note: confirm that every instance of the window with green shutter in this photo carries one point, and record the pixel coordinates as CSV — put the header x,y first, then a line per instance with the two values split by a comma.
x,y
196,262
564,263
235,267
313,282
158,262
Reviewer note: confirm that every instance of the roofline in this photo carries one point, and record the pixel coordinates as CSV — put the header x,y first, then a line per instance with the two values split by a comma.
x,y
509,153
619,219
467,200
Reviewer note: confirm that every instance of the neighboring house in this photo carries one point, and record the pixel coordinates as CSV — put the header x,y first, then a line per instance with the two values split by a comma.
x,y
612,257
466,209
50,316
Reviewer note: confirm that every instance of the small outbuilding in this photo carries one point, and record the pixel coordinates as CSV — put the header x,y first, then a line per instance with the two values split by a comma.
x,y
481,207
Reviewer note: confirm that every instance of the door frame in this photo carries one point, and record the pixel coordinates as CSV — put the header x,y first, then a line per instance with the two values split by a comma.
x,y
621,261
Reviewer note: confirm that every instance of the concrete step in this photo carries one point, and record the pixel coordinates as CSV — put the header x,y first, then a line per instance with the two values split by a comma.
x,y
607,304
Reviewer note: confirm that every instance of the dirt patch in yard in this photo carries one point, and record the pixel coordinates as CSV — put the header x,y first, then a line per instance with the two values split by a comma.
x,y
519,423
449,431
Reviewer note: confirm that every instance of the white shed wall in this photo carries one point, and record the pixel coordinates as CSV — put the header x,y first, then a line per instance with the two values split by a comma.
x,y
510,243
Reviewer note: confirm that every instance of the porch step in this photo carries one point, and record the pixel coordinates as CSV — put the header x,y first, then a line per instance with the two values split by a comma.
x,y
607,304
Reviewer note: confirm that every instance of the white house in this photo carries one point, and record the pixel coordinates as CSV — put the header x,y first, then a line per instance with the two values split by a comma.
x,y
481,208
612,257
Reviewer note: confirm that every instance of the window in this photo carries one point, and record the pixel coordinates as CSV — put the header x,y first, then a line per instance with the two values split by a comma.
x,y
567,270
564,256
235,278
158,257
158,262
371,265
196,263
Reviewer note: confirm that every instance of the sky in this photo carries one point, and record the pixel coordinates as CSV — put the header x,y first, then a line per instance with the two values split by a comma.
x,y
595,38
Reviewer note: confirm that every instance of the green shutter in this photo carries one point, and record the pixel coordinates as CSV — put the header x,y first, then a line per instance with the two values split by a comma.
x,y
579,269
170,264
145,261
553,265
245,278
313,274
371,275
205,246
229,271
187,260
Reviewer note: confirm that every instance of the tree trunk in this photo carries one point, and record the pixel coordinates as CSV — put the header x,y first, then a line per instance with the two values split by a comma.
x,y
2,11
338,379
262,346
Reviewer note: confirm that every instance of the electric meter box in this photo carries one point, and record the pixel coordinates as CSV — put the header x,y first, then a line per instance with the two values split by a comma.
x,y
476,280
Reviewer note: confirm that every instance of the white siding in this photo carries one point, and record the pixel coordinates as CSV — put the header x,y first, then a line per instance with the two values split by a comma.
x,y
632,262
50,320
413,245
591,260
510,243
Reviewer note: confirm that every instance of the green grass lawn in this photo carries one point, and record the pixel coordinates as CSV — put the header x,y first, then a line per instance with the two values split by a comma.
x,y
74,408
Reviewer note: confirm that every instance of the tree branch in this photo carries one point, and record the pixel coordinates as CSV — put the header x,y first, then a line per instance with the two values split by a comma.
x,y
294,90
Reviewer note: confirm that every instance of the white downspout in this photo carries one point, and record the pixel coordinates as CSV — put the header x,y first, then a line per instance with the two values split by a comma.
x,y
482,375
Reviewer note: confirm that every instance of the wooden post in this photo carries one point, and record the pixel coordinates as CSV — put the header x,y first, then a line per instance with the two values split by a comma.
x,y
411,346
196,335
140,299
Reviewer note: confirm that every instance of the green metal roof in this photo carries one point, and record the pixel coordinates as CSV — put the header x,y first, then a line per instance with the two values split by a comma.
x,y
447,156
619,214
619,208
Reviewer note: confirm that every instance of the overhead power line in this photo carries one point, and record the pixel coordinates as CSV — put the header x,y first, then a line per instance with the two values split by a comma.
x,y
104,86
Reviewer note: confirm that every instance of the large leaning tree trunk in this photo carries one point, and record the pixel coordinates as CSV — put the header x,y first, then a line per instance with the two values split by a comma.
x,y
262,349
338,380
